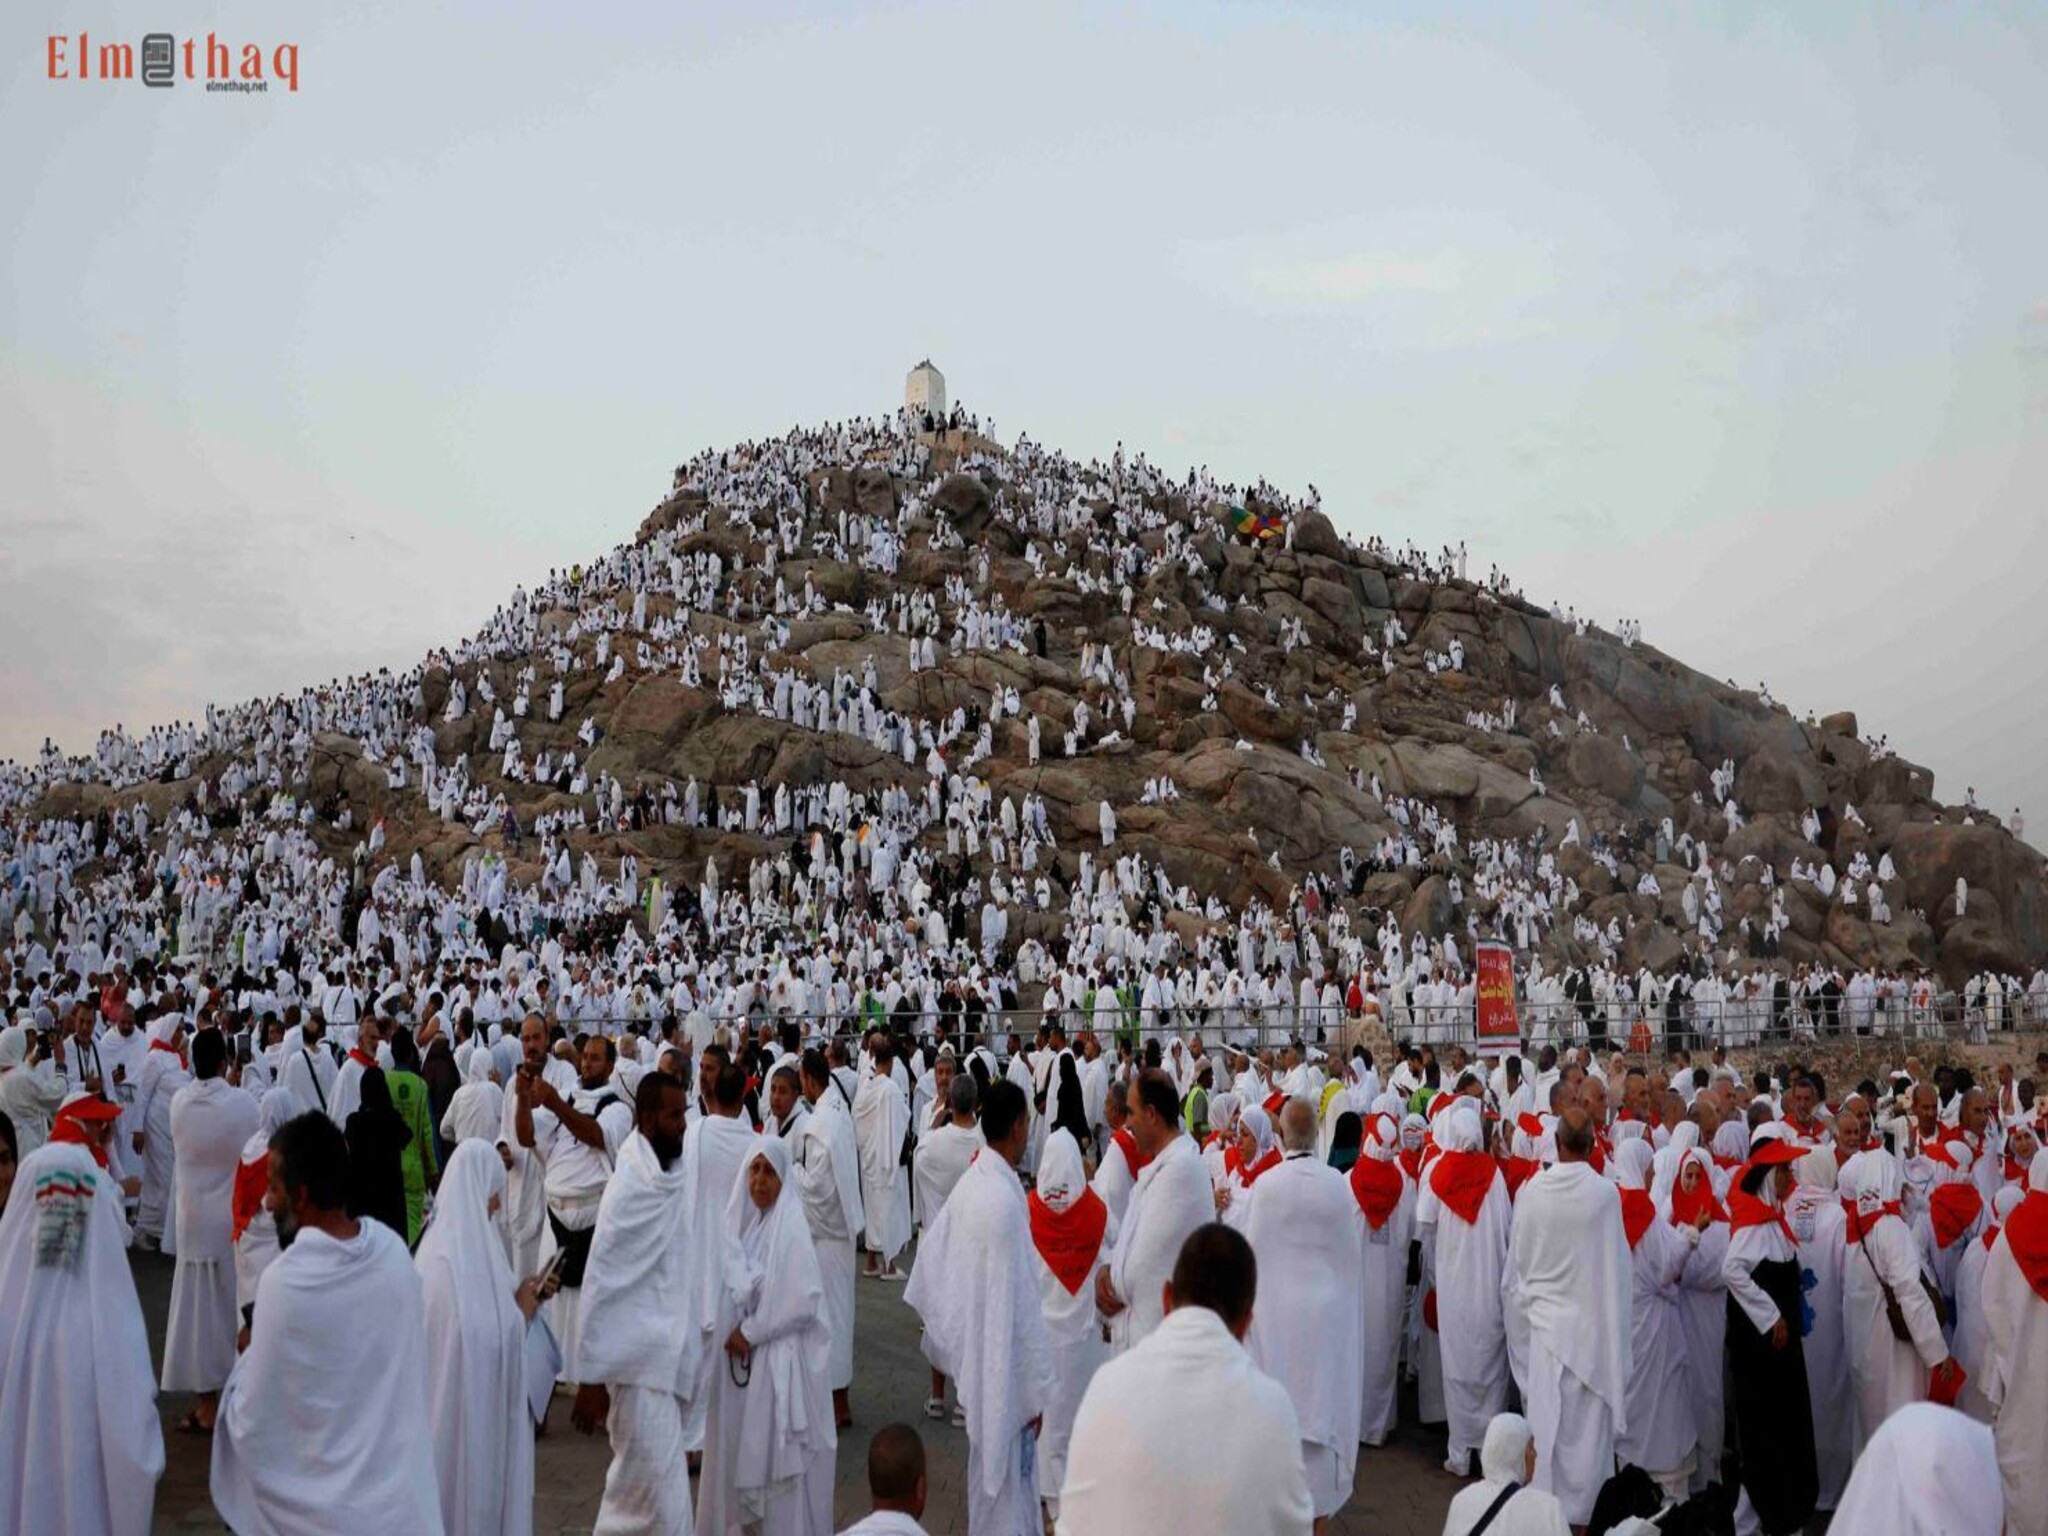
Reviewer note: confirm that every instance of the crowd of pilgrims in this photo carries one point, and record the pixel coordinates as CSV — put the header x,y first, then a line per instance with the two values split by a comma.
x,y
668,1232
193,992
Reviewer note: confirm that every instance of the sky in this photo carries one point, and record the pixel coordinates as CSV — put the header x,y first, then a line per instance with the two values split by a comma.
x,y
1730,321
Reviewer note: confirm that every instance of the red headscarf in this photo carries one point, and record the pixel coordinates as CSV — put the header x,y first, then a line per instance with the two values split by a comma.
x,y
74,1117
1686,1205
252,1182
1637,1212
1858,1226
1953,1207
1069,1241
1376,1183
1747,1210
2026,1234
1461,1180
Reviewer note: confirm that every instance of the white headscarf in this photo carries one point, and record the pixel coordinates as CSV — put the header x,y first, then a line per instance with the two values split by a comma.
x,y
773,1284
1877,1182
13,1047
1260,1124
1504,1455
1061,1178
276,1107
1928,1471
1685,1136
1460,1130
1632,1160
476,1343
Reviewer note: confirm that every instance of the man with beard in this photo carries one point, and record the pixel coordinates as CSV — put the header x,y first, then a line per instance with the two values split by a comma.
x,y
642,1367
576,1136
317,1430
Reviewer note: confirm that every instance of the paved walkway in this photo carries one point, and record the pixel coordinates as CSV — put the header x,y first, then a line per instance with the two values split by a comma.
x,y
1401,1490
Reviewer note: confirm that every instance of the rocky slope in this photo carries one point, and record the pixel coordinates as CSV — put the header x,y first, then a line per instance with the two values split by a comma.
x,y
1654,732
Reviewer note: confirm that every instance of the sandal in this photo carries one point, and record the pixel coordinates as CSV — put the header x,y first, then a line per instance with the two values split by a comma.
x,y
935,1407
192,1424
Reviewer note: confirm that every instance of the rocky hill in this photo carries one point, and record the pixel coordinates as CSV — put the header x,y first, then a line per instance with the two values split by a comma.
x,y
1621,736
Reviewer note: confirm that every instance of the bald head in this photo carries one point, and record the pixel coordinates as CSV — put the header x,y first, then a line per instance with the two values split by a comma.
x,y
1298,1126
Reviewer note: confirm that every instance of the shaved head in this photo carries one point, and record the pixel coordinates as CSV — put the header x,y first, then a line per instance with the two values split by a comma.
x,y
1298,1126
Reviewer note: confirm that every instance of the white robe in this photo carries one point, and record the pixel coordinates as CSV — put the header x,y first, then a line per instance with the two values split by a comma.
x,y
769,1444
1470,1329
1568,1266
635,1297
1703,1311
1114,1179
1217,1448
1071,1321
321,1433
828,1177
975,1285
1383,1293
1821,1232
713,1149
881,1116
210,1121
1662,1433
1888,1373
1308,1332
1170,1200
2017,1317
941,1159
1502,1464
83,1448
477,1405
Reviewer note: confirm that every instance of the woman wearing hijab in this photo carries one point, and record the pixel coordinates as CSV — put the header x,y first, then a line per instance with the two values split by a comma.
x,y
1973,1333
1691,1206
1929,1471
477,1112
769,1440
1886,1371
1780,1478
1072,1232
1386,1197
1661,1431
1257,1151
377,1139
1502,1502
2015,1304
476,1317
254,1230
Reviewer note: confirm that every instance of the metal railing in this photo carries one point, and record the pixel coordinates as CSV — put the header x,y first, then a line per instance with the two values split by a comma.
x,y
1735,1023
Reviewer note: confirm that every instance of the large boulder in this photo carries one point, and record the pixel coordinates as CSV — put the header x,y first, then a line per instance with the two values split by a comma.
x,y
659,711
1315,535
1604,765
1337,604
1775,782
966,504
1429,909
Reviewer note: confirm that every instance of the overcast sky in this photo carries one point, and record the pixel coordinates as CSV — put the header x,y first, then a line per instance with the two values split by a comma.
x,y
1731,322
